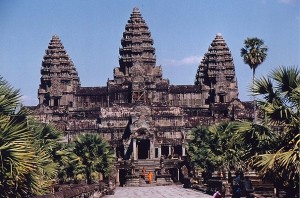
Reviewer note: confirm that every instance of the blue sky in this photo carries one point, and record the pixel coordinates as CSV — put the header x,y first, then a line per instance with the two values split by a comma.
x,y
91,31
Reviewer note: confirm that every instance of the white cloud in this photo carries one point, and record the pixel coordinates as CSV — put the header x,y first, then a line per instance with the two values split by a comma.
x,y
189,60
29,100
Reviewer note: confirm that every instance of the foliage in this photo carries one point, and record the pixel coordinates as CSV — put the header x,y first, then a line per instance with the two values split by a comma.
x,y
50,154
271,145
214,148
280,93
16,153
254,52
93,154
255,138
30,152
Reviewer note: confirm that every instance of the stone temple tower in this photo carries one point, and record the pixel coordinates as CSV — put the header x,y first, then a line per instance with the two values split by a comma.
x,y
137,53
216,73
137,71
137,44
59,78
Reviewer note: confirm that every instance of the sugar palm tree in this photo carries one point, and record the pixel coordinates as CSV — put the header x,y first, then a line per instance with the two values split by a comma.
x,y
254,53
93,155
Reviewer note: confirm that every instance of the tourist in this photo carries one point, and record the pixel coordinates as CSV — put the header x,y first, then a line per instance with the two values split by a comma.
x,y
144,173
236,186
248,187
217,194
150,176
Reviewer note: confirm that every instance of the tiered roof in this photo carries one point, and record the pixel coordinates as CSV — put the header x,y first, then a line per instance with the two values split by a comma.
x,y
137,44
217,64
57,69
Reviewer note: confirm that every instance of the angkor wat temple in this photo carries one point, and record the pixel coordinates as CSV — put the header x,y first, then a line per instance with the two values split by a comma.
x,y
142,114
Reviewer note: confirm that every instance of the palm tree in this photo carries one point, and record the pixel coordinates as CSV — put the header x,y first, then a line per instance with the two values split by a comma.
x,y
281,109
214,148
29,151
51,154
254,53
93,155
17,156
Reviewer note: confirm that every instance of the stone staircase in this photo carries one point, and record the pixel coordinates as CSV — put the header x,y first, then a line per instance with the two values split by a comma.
x,y
143,167
261,188
150,165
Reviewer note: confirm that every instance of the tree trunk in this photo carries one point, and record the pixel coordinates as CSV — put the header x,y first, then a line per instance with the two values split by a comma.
x,y
88,177
254,100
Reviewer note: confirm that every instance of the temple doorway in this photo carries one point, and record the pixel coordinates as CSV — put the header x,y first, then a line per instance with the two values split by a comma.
x,y
143,148
122,176
178,150
165,150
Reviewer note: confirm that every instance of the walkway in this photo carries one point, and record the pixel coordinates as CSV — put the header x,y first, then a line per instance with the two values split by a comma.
x,y
173,191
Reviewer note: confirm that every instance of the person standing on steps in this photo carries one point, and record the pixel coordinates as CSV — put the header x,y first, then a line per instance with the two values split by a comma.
x,y
248,187
150,177
144,173
236,186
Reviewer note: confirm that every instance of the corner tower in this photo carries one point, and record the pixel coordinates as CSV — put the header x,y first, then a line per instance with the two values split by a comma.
x,y
59,78
216,73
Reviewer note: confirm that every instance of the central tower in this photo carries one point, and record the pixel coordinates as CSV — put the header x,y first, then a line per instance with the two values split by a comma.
x,y
137,72
137,44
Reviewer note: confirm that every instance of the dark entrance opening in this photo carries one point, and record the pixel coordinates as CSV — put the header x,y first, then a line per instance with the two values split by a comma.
x,y
156,152
56,102
222,98
120,151
122,176
178,150
143,149
165,151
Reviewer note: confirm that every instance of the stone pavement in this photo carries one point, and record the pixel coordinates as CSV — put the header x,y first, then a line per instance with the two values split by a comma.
x,y
172,191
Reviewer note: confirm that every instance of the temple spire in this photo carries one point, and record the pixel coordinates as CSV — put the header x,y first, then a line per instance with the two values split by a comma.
x,y
216,73
59,78
137,44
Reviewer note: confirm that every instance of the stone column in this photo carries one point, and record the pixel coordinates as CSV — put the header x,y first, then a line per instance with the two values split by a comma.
x,y
170,149
118,177
125,149
183,149
115,152
134,149
137,152
159,151
151,150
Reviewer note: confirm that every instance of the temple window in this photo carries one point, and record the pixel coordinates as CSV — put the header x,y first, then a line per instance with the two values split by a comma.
x,y
56,102
222,98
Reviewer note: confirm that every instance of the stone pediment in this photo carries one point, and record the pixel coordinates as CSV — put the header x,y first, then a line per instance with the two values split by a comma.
x,y
142,133
137,70
141,121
